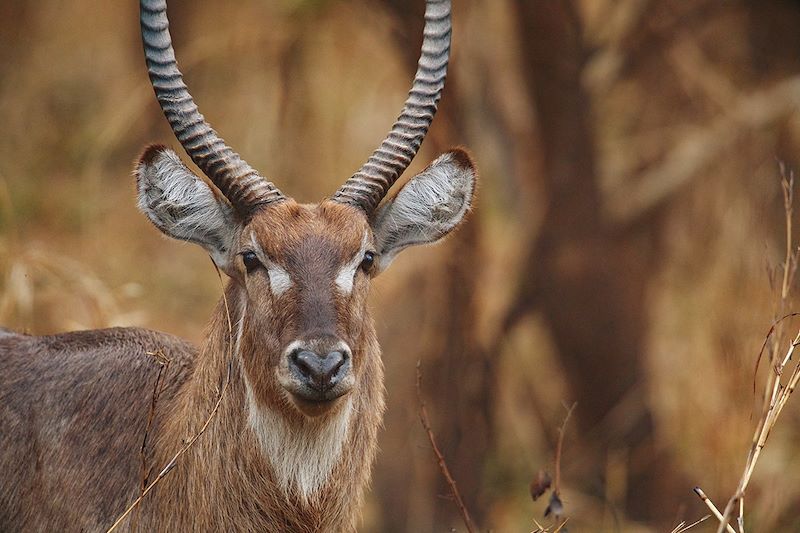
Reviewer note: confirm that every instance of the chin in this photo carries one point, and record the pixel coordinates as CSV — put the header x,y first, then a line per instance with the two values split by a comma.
x,y
315,408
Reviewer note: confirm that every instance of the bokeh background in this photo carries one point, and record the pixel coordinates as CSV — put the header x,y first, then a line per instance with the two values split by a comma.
x,y
622,253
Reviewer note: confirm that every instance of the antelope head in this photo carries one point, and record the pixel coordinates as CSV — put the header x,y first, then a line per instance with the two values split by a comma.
x,y
301,272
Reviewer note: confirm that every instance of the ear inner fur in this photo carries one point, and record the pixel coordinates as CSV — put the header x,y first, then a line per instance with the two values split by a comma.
x,y
182,205
428,207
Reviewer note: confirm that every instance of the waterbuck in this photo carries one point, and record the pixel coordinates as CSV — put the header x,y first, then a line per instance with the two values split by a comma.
x,y
292,439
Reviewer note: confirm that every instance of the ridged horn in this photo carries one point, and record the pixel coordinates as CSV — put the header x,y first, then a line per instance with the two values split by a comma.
x,y
242,185
367,187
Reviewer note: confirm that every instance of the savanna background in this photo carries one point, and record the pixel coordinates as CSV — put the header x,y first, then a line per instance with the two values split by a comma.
x,y
623,254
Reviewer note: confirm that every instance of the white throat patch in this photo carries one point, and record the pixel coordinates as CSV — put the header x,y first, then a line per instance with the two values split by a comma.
x,y
347,274
302,458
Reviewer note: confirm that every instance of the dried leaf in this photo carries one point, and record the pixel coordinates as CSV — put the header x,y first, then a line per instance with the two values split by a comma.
x,y
540,484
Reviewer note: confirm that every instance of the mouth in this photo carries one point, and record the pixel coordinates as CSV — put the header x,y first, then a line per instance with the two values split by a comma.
x,y
312,395
317,404
313,401
315,376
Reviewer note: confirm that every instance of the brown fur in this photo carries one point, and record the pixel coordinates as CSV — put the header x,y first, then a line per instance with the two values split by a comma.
x,y
74,407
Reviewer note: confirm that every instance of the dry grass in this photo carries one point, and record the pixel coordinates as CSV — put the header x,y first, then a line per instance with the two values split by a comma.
x,y
783,374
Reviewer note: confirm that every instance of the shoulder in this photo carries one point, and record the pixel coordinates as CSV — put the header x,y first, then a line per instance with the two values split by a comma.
x,y
122,341
132,352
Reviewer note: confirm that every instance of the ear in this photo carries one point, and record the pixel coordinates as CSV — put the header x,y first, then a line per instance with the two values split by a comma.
x,y
183,206
428,207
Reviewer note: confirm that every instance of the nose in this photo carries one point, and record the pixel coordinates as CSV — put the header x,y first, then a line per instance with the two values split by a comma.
x,y
318,372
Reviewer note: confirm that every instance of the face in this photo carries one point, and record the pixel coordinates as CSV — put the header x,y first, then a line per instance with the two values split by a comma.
x,y
305,271
302,272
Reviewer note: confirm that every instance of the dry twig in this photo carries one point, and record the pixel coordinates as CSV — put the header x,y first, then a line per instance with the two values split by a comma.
x,y
190,442
713,508
778,387
174,461
556,506
680,528
560,445
423,416
163,365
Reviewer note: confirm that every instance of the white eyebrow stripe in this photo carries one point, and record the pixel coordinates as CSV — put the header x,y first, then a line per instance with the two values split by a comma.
x,y
347,274
279,279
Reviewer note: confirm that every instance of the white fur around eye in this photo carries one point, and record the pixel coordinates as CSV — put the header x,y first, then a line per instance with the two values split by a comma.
x,y
347,274
279,279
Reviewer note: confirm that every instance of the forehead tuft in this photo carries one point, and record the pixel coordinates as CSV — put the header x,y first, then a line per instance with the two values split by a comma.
x,y
288,227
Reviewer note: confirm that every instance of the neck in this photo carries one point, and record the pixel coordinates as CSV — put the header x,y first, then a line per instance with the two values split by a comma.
x,y
265,466
302,453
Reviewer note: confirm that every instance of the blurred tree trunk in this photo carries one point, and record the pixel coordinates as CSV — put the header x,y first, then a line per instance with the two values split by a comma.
x,y
15,29
459,381
458,375
588,279
15,24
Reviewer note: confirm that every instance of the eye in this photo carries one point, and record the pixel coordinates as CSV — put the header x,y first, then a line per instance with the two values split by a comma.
x,y
366,263
250,260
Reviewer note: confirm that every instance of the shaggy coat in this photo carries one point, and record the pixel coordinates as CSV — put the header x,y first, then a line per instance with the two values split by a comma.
x,y
74,416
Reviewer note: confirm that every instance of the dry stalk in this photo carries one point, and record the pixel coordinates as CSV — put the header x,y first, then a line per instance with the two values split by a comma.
x,y
556,505
713,508
539,527
561,526
174,461
781,381
790,263
423,416
542,529
163,365
190,442
680,528
559,446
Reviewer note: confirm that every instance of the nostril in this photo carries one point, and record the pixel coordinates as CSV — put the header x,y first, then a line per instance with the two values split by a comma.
x,y
332,363
305,362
